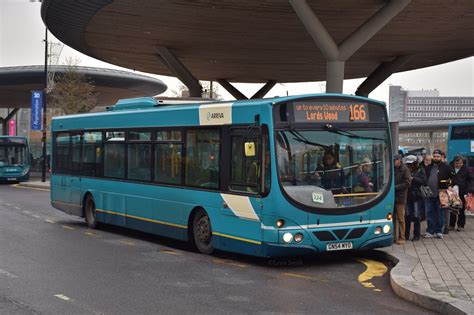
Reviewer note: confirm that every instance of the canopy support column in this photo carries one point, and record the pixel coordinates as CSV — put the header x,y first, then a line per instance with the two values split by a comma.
x,y
432,144
380,74
180,71
265,89
240,96
231,89
336,54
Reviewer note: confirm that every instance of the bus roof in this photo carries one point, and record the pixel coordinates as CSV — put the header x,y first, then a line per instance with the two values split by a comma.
x,y
462,123
130,112
13,137
142,103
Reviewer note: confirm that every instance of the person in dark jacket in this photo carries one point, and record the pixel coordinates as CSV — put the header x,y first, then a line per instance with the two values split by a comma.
x,y
330,172
462,179
402,182
438,176
414,199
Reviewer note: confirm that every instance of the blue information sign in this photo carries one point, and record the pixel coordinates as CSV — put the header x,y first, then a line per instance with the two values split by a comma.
x,y
36,109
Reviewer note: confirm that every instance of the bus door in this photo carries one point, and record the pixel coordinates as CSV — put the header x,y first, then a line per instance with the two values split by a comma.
x,y
249,169
73,182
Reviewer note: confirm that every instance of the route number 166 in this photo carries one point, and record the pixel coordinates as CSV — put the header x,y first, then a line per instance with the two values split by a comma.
x,y
357,112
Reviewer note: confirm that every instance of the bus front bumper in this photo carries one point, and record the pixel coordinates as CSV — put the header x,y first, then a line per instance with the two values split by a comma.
x,y
282,250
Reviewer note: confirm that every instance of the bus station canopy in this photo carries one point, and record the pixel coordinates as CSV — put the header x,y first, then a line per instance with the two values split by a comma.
x,y
16,84
258,41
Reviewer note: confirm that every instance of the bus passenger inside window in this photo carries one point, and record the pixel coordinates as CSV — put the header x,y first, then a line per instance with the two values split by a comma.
x,y
330,172
364,178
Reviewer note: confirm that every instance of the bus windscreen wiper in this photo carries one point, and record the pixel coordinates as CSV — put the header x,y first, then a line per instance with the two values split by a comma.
x,y
300,138
334,129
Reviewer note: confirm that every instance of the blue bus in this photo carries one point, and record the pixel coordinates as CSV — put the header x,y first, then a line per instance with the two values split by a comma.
x,y
14,159
249,176
461,141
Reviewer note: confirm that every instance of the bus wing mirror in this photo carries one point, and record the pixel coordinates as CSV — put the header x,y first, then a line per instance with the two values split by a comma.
x,y
249,149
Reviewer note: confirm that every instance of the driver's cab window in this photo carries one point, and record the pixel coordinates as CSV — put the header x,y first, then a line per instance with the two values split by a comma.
x,y
202,158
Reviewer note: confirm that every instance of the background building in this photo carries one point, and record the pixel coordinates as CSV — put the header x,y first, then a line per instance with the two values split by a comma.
x,y
427,105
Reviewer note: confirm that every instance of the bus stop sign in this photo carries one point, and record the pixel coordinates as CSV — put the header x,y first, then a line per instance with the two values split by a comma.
x,y
36,109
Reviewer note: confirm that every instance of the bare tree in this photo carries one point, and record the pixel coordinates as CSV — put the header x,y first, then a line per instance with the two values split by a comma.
x,y
71,92
182,91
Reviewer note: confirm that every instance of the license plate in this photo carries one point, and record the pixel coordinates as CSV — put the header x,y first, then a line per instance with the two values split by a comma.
x,y
339,246
11,178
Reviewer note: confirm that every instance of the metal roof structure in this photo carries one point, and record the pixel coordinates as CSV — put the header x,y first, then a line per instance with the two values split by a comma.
x,y
431,126
270,40
16,84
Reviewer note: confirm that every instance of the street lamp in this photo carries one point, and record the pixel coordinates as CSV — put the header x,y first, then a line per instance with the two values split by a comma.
x,y
43,138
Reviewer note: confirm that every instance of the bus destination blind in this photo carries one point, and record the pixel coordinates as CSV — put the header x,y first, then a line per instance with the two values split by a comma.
x,y
330,112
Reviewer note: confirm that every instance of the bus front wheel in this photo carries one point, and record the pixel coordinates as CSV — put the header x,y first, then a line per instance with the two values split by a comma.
x,y
202,232
89,213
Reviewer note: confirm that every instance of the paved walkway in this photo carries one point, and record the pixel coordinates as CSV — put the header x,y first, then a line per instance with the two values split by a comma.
x,y
36,183
437,269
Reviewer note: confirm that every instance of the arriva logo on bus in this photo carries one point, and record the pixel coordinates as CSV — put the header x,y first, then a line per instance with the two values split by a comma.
x,y
217,114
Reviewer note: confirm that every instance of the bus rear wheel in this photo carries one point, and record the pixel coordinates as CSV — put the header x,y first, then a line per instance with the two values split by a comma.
x,y
202,232
89,213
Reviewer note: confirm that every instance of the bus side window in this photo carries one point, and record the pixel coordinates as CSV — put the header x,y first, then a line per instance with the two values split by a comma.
x,y
62,155
114,155
202,158
168,150
92,151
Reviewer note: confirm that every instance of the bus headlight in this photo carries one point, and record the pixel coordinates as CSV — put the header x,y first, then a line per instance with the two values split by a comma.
x,y
386,228
298,237
287,237
378,230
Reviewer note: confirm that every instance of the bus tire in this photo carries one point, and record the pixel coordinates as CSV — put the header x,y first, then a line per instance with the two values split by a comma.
x,y
202,232
90,213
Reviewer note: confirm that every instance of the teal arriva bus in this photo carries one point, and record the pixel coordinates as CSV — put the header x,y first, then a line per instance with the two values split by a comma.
x,y
250,176
14,159
461,141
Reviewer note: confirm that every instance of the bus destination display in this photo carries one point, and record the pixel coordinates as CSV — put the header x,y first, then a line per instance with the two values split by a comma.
x,y
330,112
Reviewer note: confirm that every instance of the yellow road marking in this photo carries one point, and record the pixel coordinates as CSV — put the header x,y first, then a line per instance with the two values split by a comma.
x,y
295,275
68,227
125,242
91,234
374,269
34,188
169,251
49,221
229,262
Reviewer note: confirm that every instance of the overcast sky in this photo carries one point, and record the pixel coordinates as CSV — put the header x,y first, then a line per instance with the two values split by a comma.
x,y
21,43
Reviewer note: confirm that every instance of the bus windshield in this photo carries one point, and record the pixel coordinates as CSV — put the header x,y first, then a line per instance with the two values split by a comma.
x,y
332,167
13,153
